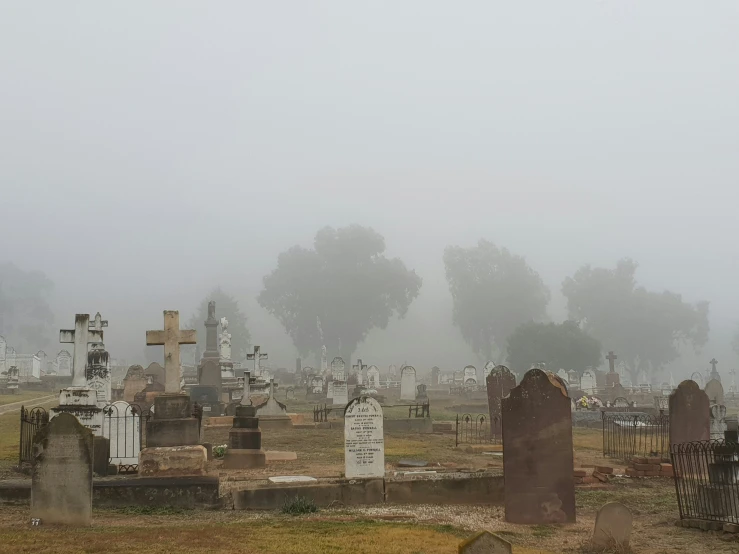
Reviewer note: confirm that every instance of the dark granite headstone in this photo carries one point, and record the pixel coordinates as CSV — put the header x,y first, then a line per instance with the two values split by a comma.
x,y
245,441
209,375
499,382
61,488
101,455
173,423
537,445
690,414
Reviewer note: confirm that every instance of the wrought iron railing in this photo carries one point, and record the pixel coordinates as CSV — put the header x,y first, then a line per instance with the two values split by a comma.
x,y
476,429
707,480
31,421
626,435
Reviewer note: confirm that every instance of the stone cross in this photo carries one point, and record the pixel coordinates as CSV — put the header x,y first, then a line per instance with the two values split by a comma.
x,y
80,336
245,400
714,373
171,337
612,361
257,356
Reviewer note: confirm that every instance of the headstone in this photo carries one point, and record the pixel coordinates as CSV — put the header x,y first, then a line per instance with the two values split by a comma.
x,y
588,383
330,390
562,374
246,394
538,460
573,379
81,336
718,421
499,382
211,333
612,526
155,373
36,366
621,402
122,426
245,441
316,384
364,440
715,391
662,402
324,360
373,377
689,414
10,357
612,377
209,375
714,373
257,356
485,542
61,487
133,383
421,394
359,369
435,375
469,376
408,383
225,340
337,369
341,393
272,413
3,349
171,337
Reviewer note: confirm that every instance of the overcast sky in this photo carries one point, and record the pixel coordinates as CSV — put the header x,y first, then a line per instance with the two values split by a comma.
x,y
150,151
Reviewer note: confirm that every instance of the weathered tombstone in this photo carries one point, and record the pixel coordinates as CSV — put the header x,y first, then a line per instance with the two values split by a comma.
x,y
435,374
133,383
316,384
689,414
562,374
469,376
209,375
341,393
662,403
373,377
620,402
485,542
225,341
330,390
589,381
61,488
338,369
155,373
171,337
3,349
499,382
421,393
408,383
718,421
538,460
359,369
364,439
612,526
122,426
715,391
245,441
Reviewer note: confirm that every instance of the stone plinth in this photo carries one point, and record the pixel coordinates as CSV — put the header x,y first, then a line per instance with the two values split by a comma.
x,y
82,403
173,461
245,441
172,423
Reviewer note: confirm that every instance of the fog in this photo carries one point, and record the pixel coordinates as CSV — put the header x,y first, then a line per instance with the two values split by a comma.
x,y
150,152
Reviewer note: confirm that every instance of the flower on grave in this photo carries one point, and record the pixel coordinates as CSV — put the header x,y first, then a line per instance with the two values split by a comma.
x,y
220,451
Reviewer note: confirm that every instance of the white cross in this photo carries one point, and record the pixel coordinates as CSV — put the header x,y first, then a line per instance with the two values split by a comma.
x,y
80,336
257,356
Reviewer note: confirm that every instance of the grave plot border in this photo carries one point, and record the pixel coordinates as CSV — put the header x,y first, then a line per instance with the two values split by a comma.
x,y
475,429
110,419
31,421
707,480
629,434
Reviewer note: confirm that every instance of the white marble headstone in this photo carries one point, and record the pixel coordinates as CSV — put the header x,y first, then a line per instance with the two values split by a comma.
x,y
341,393
364,440
408,383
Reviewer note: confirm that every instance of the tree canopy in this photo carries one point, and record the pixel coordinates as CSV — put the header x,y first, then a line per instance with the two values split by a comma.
x,y
645,328
494,292
25,315
560,346
335,293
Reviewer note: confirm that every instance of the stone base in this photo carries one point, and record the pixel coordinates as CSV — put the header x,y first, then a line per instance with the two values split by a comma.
x,y
244,459
280,456
275,422
100,455
172,432
173,461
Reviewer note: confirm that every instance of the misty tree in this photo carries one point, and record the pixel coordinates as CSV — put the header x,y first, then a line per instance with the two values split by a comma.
x,y
345,283
494,292
645,328
25,316
560,346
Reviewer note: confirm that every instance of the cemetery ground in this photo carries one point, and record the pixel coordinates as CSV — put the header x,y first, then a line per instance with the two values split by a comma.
x,y
391,529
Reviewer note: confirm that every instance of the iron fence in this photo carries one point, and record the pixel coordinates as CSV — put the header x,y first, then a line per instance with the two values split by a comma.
x,y
626,435
707,480
322,412
31,421
476,429
123,425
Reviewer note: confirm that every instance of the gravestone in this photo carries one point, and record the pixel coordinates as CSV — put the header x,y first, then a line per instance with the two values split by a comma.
x,y
589,381
612,526
61,487
364,439
122,426
621,402
330,390
562,374
316,384
171,337
469,376
3,350
689,414
211,333
155,373
662,403
435,375
338,369
485,542
209,375
538,460
271,413
373,377
421,393
718,421
245,441
499,382
573,379
225,342
341,393
408,383
715,391
612,377
133,383
359,369
36,366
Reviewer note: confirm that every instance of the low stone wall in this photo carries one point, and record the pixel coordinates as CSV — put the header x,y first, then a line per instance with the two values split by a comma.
x,y
441,489
182,492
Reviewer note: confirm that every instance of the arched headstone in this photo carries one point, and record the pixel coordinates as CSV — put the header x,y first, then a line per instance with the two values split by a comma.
x,y
364,439
715,391
499,382
589,382
408,383
373,377
689,414
538,460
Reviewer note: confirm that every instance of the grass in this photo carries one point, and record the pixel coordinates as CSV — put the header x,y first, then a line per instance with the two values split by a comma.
x,y
22,396
9,436
298,505
264,536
